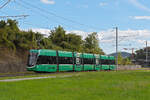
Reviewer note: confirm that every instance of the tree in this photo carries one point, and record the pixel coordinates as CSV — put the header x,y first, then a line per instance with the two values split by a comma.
x,y
57,36
120,59
126,61
39,40
74,42
140,56
123,61
7,34
61,40
46,43
91,44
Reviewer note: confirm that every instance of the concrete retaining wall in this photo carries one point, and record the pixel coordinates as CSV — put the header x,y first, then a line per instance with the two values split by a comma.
x,y
129,67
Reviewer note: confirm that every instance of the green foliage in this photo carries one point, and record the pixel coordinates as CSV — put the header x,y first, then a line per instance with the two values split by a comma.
x,y
123,61
74,42
58,36
91,44
13,38
127,61
120,59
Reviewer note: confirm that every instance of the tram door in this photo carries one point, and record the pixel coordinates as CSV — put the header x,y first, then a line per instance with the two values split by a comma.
x,y
78,63
97,63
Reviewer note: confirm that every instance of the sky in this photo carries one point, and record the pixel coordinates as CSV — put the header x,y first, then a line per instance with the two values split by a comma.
x,y
132,17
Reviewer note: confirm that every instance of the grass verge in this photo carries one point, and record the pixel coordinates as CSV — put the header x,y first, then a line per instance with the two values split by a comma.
x,y
120,85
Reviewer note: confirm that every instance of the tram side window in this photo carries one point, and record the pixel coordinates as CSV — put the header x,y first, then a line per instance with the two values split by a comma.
x,y
46,60
104,62
65,60
88,60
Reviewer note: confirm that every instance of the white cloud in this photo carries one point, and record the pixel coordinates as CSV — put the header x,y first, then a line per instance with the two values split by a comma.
x,y
144,42
126,35
140,17
48,1
141,41
45,32
78,32
102,4
139,5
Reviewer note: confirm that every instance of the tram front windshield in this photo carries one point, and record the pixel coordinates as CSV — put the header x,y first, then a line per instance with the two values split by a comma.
x,y
32,59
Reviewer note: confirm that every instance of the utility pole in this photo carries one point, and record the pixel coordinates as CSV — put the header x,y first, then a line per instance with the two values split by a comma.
x,y
116,47
132,53
146,53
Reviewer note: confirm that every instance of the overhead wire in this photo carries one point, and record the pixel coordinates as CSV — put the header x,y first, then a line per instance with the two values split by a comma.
x,y
25,4
58,16
28,23
41,14
4,4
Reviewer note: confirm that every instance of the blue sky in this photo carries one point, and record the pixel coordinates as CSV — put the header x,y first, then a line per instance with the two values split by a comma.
x,y
132,17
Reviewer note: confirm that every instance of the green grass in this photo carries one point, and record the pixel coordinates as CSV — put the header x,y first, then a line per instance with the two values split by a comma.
x,y
121,85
